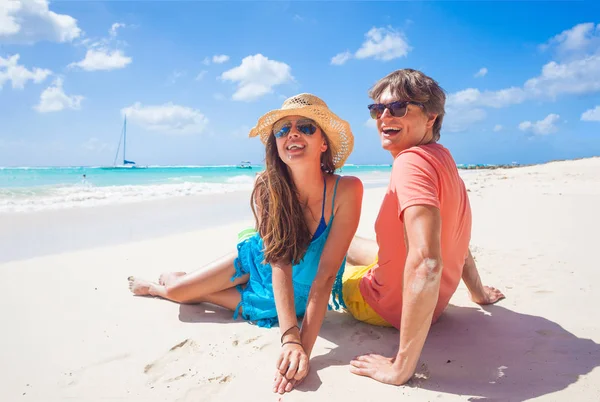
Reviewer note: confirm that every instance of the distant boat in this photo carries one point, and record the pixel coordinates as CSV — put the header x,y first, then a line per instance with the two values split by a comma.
x,y
126,164
244,165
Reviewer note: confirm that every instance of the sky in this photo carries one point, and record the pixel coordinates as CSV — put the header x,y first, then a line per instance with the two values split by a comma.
x,y
522,79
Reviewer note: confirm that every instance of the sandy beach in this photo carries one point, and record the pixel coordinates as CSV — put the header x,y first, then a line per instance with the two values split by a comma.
x,y
73,331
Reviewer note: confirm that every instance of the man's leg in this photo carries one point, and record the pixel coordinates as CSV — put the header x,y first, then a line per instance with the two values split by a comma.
x,y
362,251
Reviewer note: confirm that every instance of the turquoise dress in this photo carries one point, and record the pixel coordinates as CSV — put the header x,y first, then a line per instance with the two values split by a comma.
x,y
258,300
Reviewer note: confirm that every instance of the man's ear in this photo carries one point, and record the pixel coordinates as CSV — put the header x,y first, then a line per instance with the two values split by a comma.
x,y
431,120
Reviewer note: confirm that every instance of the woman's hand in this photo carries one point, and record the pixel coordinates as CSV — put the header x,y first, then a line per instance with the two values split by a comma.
x,y
292,367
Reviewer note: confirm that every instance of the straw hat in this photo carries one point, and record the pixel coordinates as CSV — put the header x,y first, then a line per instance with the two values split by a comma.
x,y
341,140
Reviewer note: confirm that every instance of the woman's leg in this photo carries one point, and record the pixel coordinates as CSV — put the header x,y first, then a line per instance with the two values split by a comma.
x,y
205,284
362,251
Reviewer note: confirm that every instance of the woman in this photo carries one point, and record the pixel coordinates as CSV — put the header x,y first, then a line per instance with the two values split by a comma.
x,y
305,217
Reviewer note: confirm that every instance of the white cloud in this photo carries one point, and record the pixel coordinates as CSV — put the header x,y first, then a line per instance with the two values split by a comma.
x,y
101,55
113,29
383,44
298,18
580,38
579,76
543,127
18,75
256,76
371,123
591,115
201,75
220,58
575,77
341,58
31,21
496,99
54,99
175,75
497,128
481,73
168,118
216,59
102,59
457,119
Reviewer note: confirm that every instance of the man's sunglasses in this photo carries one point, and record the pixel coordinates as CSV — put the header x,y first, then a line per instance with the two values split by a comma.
x,y
305,126
397,109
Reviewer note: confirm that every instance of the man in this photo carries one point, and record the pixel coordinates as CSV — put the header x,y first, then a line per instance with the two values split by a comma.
x,y
423,229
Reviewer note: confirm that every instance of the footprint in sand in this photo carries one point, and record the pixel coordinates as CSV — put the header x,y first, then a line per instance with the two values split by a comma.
x,y
543,291
207,391
365,334
74,377
237,342
179,362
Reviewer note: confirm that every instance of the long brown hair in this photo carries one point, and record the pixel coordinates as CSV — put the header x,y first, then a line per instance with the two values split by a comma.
x,y
277,210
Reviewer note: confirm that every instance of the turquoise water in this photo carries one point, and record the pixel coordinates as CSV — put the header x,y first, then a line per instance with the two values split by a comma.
x,y
39,188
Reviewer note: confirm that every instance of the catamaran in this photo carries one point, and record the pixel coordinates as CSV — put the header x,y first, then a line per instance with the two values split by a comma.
x,y
126,164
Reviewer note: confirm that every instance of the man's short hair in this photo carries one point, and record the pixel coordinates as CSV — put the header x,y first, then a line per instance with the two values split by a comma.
x,y
413,85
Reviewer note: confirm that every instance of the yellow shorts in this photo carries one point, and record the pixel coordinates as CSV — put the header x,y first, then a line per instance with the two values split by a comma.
x,y
355,303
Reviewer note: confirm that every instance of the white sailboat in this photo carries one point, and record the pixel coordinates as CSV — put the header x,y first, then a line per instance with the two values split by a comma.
x,y
126,163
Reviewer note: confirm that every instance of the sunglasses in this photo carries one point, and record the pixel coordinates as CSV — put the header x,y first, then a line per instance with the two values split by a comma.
x,y
305,126
397,109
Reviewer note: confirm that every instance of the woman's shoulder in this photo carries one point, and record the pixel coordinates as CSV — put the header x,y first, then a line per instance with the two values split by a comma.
x,y
348,185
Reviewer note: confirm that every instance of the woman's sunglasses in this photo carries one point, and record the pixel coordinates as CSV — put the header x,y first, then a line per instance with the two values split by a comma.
x,y
305,126
397,109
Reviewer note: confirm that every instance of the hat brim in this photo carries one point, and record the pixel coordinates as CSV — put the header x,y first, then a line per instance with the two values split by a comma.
x,y
339,134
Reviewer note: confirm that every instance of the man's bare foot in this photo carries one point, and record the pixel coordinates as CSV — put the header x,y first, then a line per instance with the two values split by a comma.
x,y
138,286
169,278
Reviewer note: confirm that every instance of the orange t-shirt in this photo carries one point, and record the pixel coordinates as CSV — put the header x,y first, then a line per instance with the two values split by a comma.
x,y
422,175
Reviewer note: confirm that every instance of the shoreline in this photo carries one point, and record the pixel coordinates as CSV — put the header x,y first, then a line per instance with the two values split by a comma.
x,y
497,166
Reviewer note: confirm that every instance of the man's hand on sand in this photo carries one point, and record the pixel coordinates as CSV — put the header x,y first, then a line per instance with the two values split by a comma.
x,y
490,295
379,368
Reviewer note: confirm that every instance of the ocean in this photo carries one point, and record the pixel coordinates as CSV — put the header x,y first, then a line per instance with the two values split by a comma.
x,y
24,189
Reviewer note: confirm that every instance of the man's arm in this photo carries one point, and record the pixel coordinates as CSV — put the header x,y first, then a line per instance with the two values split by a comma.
x,y
422,274
479,294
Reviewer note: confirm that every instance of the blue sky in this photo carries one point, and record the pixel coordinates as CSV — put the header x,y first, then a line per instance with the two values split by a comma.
x,y
522,78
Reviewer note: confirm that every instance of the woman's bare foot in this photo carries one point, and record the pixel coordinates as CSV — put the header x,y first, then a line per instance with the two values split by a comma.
x,y
138,286
169,278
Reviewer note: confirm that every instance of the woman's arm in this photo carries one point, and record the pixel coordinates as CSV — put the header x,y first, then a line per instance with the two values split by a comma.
x,y
292,364
345,223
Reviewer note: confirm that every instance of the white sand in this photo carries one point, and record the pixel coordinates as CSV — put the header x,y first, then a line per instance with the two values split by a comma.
x,y
72,331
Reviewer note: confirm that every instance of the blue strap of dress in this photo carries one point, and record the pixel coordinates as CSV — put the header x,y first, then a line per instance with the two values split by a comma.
x,y
322,224
336,292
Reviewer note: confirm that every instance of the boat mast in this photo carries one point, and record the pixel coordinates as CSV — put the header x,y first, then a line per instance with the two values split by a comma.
x,y
124,139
